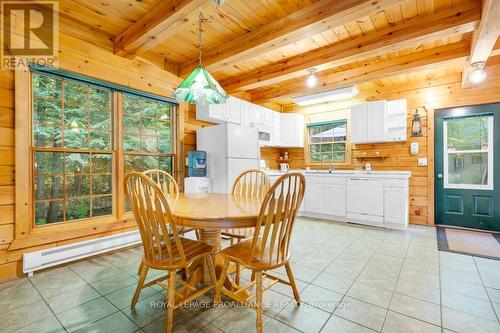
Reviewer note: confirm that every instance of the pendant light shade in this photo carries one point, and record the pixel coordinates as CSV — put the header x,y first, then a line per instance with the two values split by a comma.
x,y
200,88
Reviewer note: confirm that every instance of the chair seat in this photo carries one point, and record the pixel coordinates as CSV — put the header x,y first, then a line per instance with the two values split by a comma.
x,y
193,250
240,253
239,233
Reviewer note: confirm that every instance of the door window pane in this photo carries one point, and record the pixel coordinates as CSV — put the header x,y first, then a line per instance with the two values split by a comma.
x,y
469,133
468,168
468,152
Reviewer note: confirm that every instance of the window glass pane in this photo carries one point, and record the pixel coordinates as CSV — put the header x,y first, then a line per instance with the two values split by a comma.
x,y
100,140
468,168
76,93
133,163
166,164
76,116
340,132
77,163
48,187
46,87
77,209
150,144
49,162
102,184
47,136
77,186
313,134
47,111
467,133
101,163
76,138
102,205
100,100
327,152
47,212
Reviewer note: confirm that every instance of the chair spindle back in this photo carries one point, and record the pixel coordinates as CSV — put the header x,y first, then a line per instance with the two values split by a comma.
x,y
251,183
154,218
164,180
276,219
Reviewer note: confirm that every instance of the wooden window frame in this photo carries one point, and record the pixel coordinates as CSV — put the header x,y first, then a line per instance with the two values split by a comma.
x,y
322,117
26,234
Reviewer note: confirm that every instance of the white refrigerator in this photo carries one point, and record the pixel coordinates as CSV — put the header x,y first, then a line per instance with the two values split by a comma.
x,y
230,149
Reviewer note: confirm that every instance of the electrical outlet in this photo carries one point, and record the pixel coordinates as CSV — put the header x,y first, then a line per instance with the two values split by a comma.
x,y
422,161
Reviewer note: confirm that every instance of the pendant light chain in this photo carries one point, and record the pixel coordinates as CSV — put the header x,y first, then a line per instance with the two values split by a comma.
x,y
200,35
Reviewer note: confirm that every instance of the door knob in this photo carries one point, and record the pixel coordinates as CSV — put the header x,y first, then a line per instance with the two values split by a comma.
x,y
440,175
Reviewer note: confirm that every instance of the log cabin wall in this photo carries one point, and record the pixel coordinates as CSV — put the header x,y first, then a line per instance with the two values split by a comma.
x,y
433,93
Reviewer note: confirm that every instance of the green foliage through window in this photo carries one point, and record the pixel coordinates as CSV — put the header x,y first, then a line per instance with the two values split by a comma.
x,y
327,141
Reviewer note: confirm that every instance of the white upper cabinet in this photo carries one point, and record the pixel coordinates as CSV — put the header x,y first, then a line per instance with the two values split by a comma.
x,y
292,130
379,121
359,132
267,117
376,121
396,120
257,114
285,130
220,113
276,129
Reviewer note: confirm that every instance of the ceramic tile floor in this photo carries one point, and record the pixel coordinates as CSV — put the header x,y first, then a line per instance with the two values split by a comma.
x,y
351,278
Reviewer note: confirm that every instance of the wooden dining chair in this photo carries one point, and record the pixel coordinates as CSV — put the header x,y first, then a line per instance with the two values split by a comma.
x,y
249,183
169,187
270,246
163,249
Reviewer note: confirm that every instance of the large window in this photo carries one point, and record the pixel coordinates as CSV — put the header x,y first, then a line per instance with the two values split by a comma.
x,y
74,145
147,134
327,141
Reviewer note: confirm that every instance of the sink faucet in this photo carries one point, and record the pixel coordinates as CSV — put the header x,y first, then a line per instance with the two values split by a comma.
x,y
330,166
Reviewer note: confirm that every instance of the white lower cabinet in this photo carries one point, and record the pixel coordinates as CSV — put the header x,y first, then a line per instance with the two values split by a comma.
x,y
314,197
366,200
396,207
335,200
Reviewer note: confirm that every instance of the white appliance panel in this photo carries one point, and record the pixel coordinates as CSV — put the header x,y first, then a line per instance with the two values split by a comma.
x,y
242,142
235,166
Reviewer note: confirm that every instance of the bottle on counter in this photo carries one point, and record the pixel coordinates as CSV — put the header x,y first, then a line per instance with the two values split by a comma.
x,y
286,155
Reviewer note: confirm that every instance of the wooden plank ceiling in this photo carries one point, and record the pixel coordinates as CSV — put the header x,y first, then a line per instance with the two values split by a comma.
x,y
266,47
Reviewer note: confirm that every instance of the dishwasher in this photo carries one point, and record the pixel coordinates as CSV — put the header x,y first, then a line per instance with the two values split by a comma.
x,y
365,200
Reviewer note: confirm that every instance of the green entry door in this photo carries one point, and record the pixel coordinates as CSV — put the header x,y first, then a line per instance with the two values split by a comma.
x,y
467,166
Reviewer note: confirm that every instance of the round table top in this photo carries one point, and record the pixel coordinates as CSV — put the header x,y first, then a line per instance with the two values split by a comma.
x,y
215,210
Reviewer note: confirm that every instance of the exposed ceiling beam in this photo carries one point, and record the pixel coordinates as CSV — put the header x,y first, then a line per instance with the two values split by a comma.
x,y
420,30
160,61
161,22
313,19
331,79
484,37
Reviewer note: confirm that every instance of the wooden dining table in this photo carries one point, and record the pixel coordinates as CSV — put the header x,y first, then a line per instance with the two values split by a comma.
x,y
210,213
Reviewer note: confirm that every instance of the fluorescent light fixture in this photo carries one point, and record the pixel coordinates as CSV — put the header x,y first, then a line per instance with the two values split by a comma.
x,y
326,96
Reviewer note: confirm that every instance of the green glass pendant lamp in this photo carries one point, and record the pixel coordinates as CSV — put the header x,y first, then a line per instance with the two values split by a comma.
x,y
200,87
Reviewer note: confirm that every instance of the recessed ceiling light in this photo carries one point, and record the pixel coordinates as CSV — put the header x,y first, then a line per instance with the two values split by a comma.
x,y
326,96
312,79
477,74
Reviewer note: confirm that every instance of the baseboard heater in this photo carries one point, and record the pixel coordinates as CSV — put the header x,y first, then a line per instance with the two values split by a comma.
x,y
42,259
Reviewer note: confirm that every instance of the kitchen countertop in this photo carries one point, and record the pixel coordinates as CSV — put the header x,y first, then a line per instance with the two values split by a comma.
x,y
347,173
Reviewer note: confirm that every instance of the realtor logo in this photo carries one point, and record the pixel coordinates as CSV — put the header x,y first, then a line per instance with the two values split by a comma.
x,y
30,34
